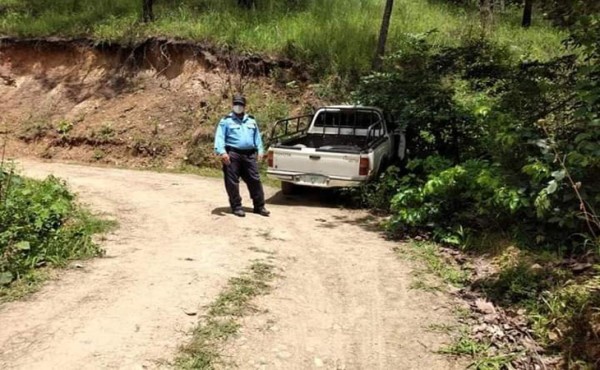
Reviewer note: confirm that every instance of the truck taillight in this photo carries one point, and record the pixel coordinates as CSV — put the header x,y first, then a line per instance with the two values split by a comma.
x,y
270,158
363,168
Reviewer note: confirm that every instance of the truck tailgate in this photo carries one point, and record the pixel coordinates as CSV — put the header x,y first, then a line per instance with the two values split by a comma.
x,y
311,161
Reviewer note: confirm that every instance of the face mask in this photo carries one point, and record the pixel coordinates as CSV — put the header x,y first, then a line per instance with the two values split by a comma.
x,y
238,109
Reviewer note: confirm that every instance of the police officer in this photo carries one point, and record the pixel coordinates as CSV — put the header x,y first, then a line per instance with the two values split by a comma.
x,y
238,143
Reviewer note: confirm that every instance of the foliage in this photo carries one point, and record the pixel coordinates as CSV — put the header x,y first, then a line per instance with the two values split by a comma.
x,y
376,195
494,140
521,284
64,127
33,130
427,100
506,146
40,225
465,346
472,192
567,13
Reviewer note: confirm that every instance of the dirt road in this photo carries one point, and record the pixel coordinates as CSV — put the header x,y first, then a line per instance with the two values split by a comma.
x,y
343,301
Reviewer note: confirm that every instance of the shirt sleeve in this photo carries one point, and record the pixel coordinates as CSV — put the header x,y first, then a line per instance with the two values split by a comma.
x,y
220,137
258,141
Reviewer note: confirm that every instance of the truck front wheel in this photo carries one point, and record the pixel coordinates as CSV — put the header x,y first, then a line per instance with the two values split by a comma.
x,y
288,188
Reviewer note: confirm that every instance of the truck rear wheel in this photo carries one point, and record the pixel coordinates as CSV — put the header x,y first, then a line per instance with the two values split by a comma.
x,y
383,166
287,188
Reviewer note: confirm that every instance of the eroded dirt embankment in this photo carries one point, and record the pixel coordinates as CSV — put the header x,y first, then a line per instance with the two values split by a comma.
x,y
154,103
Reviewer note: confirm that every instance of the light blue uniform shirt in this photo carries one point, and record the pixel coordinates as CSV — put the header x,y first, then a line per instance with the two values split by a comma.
x,y
238,133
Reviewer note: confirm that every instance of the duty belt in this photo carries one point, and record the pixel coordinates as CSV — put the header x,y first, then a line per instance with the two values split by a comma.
x,y
240,151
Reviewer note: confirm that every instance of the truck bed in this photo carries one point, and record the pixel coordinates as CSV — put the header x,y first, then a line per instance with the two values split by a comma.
x,y
340,146
345,143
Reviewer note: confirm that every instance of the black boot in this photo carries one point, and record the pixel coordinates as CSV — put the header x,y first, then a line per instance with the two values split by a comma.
x,y
262,211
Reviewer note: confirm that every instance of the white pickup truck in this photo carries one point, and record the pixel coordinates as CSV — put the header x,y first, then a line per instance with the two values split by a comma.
x,y
338,146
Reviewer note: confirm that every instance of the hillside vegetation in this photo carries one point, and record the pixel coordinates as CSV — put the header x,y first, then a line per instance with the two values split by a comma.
x,y
330,36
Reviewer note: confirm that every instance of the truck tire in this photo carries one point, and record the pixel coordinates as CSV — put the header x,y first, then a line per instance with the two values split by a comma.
x,y
288,188
385,163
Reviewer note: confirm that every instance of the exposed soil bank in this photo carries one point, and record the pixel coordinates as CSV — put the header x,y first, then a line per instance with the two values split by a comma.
x,y
154,103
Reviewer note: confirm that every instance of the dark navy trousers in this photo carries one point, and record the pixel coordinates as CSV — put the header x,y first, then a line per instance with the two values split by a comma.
x,y
246,167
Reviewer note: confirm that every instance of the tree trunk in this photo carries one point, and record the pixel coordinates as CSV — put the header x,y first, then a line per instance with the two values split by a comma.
x,y
527,13
486,12
383,34
147,13
246,3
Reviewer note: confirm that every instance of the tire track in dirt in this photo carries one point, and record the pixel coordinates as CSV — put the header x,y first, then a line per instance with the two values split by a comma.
x,y
344,303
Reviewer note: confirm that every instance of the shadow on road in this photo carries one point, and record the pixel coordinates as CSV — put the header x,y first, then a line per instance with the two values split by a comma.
x,y
224,211
330,198
312,197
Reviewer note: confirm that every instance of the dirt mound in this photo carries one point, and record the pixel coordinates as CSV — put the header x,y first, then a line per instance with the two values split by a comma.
x,y
153,103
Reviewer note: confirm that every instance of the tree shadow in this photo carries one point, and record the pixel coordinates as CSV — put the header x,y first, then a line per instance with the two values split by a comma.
x,y
311,197
370,223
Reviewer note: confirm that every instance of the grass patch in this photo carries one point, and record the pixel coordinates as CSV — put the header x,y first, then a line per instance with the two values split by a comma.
x,y
465,345
420,282
479,351
437,265
221,321
492,362
32,130
559,301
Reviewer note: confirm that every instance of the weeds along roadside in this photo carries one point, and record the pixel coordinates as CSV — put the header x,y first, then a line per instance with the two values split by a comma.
x,y
41,227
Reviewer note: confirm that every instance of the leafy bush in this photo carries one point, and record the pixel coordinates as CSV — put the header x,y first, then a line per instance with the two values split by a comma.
x,y
473,192
33,130
376,195
40,225
422,88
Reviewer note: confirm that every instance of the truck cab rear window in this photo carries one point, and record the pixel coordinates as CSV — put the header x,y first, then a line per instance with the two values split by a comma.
x,y
351,119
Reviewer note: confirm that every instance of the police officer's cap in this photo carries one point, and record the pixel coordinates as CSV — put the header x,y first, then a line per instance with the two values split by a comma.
x,y
239,99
